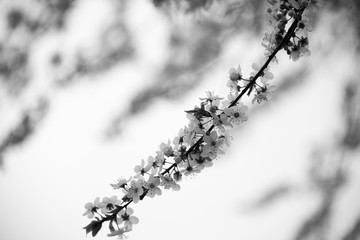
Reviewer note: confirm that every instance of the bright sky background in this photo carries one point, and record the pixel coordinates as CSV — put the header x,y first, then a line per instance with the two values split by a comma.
x,y
68,162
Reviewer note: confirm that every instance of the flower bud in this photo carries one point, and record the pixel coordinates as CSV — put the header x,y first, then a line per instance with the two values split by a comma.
x,y
279,15
281,25
292,13
213,109
177,160
177,176
301,25
234,76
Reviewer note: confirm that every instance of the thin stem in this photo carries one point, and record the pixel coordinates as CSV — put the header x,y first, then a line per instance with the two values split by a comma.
x,y
289,33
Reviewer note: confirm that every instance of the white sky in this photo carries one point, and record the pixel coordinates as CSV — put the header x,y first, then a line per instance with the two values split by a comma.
x,y
67,162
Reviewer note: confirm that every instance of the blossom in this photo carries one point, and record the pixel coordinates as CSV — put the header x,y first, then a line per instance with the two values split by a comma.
x,y
135,190
159,160
202,161
190,168
233,85
213,106
120,233
168,182
269,43
212,102
227,138
264,95
167,149
153,186
221,122
153,164
177,176
297,52
210,96
120,183
179,139
237,113
211,145
312,7
230,98
304,27
300,49
265,76
91,208
126,218
108,204
235,74
142,169
180,154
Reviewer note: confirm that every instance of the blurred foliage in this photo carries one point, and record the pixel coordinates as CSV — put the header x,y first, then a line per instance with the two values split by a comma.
x,y
27,125
199,30
328,175
22,28
25,25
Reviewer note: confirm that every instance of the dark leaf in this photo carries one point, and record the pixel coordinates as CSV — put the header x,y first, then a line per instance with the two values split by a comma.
x,y
199,112
96,228
90,227
93,227
192,111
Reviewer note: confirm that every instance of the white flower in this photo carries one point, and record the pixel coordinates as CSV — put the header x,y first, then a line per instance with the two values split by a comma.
x,y
264,95
177,176
153,186
235,74
227,138
297,52
202,161
210,96
212,102
211,145
230,98
237,114
234,77
221,122
159,160
142,169
190,168
91,208
120,183
135,190
153,165
108,204
213,106
184,137
266,74
168,182
167,149
126,218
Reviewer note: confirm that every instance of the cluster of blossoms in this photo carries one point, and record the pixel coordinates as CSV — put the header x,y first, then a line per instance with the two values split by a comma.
x,y
279,14
199,143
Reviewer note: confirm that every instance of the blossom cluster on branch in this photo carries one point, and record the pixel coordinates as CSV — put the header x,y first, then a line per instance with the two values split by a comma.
x,y
199,143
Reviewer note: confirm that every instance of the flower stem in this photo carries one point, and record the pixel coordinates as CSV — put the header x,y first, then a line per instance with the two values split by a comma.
x,y
289,33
